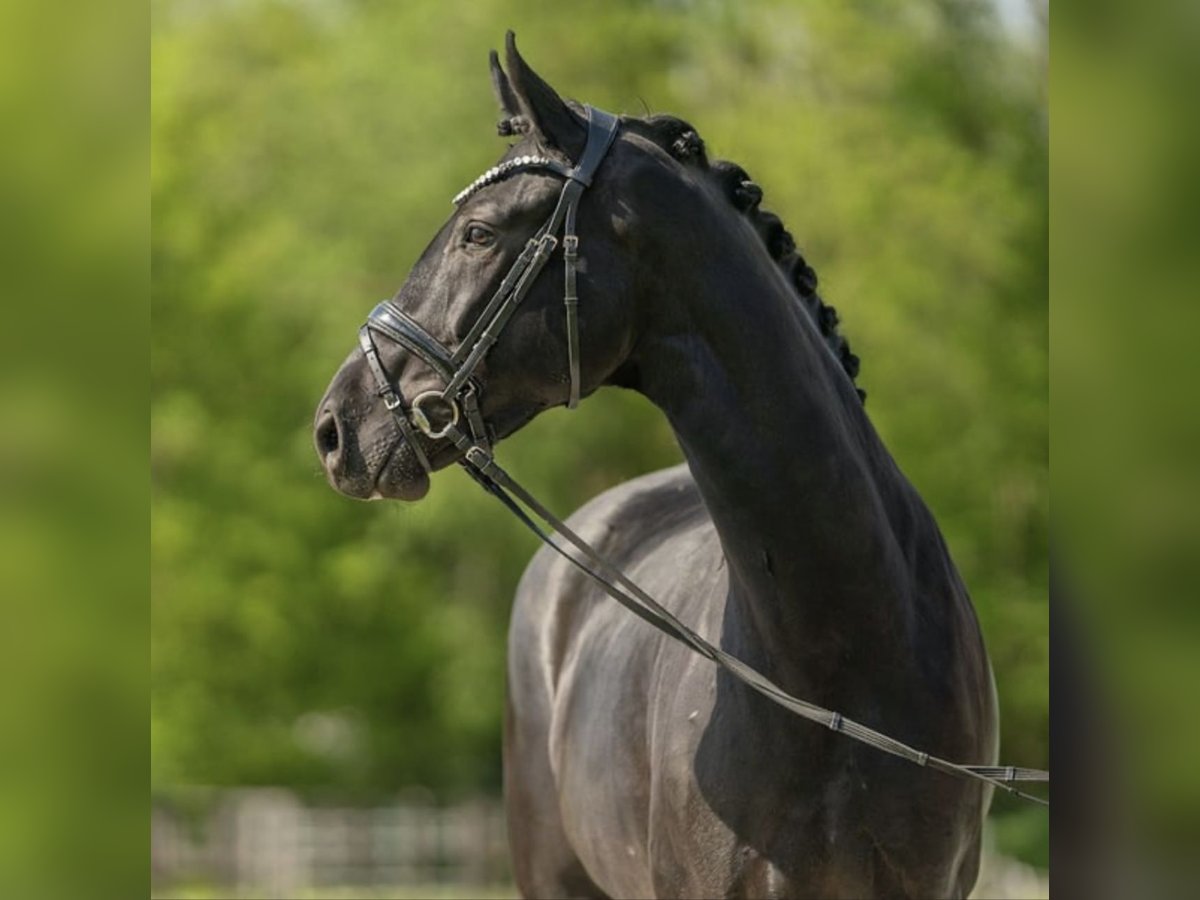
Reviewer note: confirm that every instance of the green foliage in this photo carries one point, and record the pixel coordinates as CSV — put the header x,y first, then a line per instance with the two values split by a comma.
x,y
302,155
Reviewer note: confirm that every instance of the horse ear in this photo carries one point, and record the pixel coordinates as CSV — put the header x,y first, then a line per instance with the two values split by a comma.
x,y
551,119
504,92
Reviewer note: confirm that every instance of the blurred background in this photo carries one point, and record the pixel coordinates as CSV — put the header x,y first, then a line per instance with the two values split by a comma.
x,y
327,675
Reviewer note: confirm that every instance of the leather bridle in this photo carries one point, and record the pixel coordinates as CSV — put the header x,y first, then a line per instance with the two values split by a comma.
x,y
460,399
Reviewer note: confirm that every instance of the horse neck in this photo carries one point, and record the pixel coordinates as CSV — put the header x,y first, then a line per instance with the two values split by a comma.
x,y
812,513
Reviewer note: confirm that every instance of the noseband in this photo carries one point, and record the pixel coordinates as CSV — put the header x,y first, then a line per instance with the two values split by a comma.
x,y
460,398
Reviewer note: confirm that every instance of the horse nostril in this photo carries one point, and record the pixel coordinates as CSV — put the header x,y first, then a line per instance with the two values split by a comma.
x,y
328,438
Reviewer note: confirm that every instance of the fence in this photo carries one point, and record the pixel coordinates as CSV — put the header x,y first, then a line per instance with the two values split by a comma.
x,y
270,842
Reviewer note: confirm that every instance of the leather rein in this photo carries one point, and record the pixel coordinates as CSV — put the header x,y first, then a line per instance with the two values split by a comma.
x,y
459,400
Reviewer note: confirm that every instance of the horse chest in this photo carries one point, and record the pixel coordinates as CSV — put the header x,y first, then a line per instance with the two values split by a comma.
x,y
763,816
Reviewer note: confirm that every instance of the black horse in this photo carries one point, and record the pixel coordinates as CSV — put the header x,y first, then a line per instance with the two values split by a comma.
x,y
634,768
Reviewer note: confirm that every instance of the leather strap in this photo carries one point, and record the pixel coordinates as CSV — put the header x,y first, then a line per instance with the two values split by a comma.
x,y
602,131
404,330
390,398
571,307
487,472
502,292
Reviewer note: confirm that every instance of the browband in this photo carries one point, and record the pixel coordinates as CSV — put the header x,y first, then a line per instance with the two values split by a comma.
x,y
517,164
602,130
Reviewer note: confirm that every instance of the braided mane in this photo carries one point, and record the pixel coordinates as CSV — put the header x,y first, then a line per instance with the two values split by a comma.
x,y
680,140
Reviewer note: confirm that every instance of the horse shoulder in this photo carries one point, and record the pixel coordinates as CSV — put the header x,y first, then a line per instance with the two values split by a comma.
x,y
625,524
576,662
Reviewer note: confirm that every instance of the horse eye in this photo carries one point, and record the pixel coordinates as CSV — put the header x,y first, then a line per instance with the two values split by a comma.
x,y
479,236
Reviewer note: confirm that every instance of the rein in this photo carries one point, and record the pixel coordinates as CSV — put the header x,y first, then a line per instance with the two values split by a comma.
x,y
460,399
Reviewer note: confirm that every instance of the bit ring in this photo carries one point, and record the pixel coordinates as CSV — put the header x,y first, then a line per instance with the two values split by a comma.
x,y
422,421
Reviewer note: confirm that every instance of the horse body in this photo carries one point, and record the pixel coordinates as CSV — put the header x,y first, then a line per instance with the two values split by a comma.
x,y
633,767
793,540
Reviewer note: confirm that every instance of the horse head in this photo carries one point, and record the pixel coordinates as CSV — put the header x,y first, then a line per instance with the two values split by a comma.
x,y
476,334
367,451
